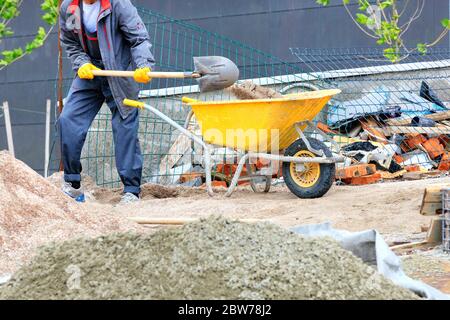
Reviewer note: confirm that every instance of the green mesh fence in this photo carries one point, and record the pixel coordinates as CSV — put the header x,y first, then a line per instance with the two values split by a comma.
x,y
381,116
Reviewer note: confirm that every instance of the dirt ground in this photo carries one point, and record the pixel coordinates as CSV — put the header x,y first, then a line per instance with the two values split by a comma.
x,y
391,208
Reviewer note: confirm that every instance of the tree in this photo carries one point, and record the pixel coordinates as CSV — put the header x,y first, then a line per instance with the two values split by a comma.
x,y
386,23
9,10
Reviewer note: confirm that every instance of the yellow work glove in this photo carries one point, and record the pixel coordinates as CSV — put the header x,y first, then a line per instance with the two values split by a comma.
x,y
85,71
141,75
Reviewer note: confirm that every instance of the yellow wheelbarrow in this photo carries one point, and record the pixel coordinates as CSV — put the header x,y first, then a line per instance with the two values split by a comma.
x,y
272,130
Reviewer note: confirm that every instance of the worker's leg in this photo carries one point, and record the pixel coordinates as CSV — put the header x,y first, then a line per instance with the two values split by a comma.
x,y
127,148
82,105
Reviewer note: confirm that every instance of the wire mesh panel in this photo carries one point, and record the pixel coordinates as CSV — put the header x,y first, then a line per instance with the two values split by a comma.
x,y
446,221
394,116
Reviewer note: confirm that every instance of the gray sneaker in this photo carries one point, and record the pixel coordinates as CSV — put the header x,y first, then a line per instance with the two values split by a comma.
x,y
76,194
128,198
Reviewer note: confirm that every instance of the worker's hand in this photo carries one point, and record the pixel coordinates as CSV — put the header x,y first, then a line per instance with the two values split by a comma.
x,y
85,71
141,75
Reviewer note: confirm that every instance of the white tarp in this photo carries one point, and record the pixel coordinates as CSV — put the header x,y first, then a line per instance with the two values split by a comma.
x,y
372,249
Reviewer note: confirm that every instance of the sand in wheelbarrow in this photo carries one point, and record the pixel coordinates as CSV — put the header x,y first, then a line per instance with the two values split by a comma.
x,y
213,258
248,90
34,212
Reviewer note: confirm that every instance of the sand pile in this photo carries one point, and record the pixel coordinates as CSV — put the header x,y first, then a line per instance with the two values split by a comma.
x,y
210,259
34,212
247,90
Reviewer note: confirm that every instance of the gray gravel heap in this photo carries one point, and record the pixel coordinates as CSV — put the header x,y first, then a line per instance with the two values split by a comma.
x,y
209,259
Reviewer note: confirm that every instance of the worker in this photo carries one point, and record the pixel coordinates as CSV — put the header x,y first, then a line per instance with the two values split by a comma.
x,y
103,34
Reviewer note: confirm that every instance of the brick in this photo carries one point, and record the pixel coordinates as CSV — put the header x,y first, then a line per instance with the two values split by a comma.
x,y
398,158
219,184
413,168
358,181
323,127
356,171
190,176
444,139
412,142
434,148
444,165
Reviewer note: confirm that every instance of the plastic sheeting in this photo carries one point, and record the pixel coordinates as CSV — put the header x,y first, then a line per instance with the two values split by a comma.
x,y
372,249
381,101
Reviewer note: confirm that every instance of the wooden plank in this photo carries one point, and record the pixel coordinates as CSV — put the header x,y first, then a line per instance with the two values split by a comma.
x,y
411,245
387,175
374,130
432,200
390,130
431,209
434,234
440,116
179,221
433,193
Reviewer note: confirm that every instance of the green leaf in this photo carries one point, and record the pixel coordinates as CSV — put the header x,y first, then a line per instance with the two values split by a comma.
x,y
362,18
422,48
323,2
445,23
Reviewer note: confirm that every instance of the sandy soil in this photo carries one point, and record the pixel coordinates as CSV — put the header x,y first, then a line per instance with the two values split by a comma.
x,y
391,208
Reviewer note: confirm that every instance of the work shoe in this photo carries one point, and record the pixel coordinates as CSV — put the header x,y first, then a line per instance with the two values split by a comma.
x,y
128,198
76,194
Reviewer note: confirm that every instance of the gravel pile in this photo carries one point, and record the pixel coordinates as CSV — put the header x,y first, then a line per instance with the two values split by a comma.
x,y
210,259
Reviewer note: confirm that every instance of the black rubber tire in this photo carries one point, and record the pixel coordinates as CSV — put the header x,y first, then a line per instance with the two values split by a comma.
x,y
327,171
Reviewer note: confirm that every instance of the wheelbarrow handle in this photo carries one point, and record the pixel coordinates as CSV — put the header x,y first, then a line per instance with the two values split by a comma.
x,y
134,103
154,75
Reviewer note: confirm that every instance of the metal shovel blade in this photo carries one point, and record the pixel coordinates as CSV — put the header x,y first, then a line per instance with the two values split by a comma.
x,y
216,73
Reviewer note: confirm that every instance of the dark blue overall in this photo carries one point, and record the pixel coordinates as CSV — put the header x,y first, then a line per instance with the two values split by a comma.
x,y
83,102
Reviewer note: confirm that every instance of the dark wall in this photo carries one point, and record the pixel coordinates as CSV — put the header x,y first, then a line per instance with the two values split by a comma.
x,y
269,25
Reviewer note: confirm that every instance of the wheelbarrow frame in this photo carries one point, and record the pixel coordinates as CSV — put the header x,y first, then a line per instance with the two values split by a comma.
x,y
321,158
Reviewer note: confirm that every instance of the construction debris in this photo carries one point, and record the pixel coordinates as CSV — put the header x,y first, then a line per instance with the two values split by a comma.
x,y
34,212
210,259
413,138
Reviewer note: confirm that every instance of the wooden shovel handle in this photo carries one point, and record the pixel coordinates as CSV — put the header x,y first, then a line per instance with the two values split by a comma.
x,y
154,75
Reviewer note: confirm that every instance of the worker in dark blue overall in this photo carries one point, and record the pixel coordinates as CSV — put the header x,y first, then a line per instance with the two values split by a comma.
x,y
103,34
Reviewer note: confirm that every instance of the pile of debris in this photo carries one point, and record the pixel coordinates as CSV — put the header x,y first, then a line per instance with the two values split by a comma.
x,y
34,212
405,135
209,259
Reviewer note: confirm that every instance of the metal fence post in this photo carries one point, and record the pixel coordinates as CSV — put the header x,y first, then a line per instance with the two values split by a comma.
x,y
9,135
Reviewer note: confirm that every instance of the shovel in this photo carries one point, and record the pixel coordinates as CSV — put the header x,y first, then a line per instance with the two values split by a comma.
x,y
212,73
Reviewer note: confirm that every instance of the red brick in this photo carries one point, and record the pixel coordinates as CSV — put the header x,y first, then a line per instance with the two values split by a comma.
x,y
434,148
374,178
356,171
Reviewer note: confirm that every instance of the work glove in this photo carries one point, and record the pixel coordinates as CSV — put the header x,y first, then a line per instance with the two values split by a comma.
x,y
141,75
85,71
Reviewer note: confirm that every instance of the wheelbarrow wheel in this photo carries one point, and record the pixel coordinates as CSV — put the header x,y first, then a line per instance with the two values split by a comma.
x,y
315,179
260,184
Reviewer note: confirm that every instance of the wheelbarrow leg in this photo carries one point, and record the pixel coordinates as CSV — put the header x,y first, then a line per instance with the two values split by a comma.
x,y
267,179
207,155
237,175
